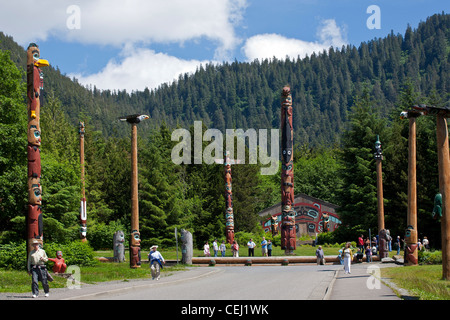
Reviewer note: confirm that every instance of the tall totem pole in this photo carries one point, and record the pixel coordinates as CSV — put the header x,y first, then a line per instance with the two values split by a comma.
x,y
288,230
411,232
444,176
229,214
83,213
135,242
383,234
35,83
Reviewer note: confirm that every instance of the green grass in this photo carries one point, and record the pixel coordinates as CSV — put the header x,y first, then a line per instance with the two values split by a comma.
x,y
423,281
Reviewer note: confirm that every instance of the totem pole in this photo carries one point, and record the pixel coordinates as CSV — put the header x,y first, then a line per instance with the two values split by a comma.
x,y
383,234
135,242
411,235
35,81
83,213
443,205
444,177
229,214
288,230
118,246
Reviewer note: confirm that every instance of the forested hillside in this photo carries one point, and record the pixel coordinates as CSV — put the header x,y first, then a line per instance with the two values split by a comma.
x,y
246,95
342,100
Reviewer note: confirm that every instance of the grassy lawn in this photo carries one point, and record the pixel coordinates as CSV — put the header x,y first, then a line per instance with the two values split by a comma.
x,y
423,281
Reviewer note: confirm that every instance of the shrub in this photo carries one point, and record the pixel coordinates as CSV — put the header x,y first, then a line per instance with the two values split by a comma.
x,y
13,256
430,257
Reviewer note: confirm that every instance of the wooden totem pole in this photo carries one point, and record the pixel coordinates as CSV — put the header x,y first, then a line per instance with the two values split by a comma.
x,y
83,213
135,242
229,214
35,82
444,177
288,230
383,234
411,233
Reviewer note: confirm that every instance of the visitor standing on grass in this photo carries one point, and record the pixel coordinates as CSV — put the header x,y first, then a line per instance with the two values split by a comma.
x,y
264,247
206,250
156,262
348,257
223,248
251,248
235,249
269,248
36,268
215,247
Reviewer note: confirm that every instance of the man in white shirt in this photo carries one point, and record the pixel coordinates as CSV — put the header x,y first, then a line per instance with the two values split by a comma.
x,y
215,247
156,261
251,248
36,268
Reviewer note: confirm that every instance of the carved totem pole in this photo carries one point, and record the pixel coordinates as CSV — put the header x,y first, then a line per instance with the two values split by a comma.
x,y
444,177
83,213
229,214
383,234
35,82
135,242
411,232
288,230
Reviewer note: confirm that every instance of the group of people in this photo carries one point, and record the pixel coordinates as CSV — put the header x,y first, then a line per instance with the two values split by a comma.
x,y
266,248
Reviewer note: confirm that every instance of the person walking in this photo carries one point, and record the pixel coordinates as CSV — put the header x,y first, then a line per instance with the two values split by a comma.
x,y
320,256
251,248
348,257
37,269
223,248
361,243
156,262
264,247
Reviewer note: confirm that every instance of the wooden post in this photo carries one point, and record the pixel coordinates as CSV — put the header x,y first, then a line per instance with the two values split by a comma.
x,y
444,188
378,160
135,241
83,213
411,218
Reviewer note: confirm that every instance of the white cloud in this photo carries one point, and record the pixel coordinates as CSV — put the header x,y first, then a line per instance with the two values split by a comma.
x,y
269,45
140,68
115,22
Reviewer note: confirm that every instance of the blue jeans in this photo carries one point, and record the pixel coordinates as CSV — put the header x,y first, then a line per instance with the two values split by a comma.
x,y
39,274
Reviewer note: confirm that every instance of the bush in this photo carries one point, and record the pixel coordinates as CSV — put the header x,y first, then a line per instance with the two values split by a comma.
x,y
13,256
430,257
100,236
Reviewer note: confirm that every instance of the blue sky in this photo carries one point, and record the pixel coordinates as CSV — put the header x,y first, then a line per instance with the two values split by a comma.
x,y
133,44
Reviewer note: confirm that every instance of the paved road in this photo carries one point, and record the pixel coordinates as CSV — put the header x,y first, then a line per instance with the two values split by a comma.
x,y
263,282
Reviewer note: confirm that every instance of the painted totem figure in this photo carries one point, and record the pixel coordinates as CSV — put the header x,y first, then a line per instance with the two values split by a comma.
x,y
274,225
135,249
288,230
326,222
384,237
118,246
34,86
60,265
83,213
411,254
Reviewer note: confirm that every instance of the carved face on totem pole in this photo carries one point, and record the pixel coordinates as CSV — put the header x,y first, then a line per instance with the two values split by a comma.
x,y
411,246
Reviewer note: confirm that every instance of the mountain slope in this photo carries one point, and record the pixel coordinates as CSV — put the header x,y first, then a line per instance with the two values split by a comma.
x,y
246,95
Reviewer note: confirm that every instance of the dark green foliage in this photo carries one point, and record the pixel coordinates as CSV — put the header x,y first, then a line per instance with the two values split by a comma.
x,y
342,99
